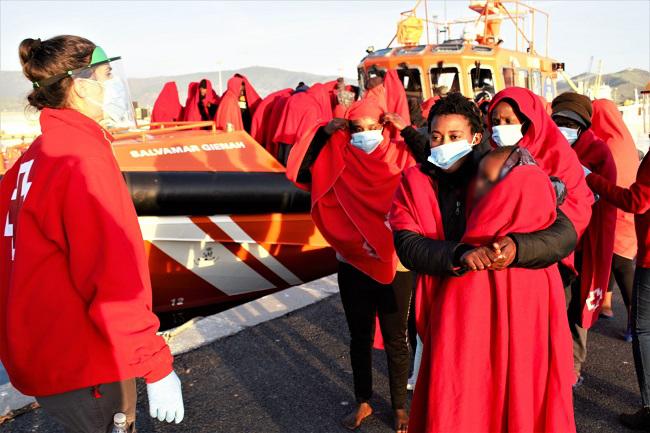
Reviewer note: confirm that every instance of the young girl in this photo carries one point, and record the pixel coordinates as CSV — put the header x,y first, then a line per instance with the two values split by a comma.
x,y
497,352
352,168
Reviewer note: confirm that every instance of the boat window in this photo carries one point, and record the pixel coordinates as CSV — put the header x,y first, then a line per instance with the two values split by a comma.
x,y
411,80
444,80
446,48
522,78
379,53
549,89
409,50
537,83
481,80
509,77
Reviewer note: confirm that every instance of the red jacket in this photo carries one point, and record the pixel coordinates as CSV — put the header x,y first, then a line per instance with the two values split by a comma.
x,y
636,200
75,295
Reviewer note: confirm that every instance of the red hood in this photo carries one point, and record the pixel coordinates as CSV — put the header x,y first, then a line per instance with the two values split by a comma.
x,y
552,152
167,107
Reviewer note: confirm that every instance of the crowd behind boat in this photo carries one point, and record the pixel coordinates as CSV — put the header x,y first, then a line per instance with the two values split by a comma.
x,y
477,239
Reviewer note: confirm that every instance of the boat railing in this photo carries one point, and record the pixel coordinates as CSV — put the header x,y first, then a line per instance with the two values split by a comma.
x,y
153,129
491,14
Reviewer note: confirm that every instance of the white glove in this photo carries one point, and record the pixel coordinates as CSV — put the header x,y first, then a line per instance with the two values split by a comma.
x,y
166,399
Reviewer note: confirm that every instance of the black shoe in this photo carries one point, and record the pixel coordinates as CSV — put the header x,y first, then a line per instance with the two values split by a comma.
x,y
579,381
637,421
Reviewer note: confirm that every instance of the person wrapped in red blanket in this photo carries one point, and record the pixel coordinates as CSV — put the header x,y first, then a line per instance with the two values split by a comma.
x,y
167,107
261,122
352,168
202,102
303,111
607,123
497,351
237,105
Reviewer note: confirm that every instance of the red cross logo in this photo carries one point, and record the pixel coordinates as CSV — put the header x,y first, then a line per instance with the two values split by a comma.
x,y
17,198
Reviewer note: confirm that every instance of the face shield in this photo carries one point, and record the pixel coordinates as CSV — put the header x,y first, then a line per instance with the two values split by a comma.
x,y
105,87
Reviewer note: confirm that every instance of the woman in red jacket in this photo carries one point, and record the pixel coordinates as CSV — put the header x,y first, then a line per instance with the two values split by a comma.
x,y
75,295
636,200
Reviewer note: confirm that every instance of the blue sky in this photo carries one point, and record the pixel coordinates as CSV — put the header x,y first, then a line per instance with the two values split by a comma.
x,y
328,37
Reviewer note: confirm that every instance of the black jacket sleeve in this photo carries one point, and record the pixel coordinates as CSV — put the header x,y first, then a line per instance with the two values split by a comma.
x,y
545,247
428,256
315,147
418,143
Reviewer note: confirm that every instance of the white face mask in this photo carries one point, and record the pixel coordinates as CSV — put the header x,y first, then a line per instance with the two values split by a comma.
x,y
570,134
367,141
506,135
446,155
115,103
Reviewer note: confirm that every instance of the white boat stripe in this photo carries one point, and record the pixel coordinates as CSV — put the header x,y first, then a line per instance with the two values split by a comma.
x,y
186,243
238,234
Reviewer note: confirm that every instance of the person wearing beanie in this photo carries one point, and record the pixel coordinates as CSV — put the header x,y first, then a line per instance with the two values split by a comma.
x,y
585,295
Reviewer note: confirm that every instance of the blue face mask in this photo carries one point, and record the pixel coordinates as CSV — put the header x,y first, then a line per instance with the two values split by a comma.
x,y
570,134
367,140
446,155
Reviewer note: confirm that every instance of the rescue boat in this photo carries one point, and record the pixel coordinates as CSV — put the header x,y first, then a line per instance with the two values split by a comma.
x,y
476,64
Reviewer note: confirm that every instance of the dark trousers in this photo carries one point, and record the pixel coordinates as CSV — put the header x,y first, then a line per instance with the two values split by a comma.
x,y
574,306
623,276
363,300
641,331
91,410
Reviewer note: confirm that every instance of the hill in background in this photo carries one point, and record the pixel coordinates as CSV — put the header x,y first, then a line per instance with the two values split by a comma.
x,y
14,87
622,83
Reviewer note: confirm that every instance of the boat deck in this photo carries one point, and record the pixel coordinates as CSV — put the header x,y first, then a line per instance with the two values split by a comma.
x,y
292,374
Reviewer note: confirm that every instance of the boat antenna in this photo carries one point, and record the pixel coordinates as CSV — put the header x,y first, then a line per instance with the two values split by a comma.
x,y
426,19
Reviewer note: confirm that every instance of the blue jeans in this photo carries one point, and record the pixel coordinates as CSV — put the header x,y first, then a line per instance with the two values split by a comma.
x,y
641,331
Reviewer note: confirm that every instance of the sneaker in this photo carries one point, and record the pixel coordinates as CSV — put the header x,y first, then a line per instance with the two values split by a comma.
x,y
410,385
637,421
578,383
628,335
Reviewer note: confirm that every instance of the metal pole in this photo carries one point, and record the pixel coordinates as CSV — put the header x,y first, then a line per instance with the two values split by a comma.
x,y
517,25
426,15
533,33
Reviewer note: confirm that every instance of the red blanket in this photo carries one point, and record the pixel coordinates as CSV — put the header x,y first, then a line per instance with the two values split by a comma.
x,y
167,107
427,105
553,154
262,116
351,195
302,112
229,111
191,112
274,123
597,244
392,97
416,208
497,349
607,123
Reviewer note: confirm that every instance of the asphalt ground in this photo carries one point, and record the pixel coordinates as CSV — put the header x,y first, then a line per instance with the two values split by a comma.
x,y
292,374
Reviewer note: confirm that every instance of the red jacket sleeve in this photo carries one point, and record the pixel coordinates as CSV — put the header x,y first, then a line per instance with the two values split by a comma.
x,y
635,199
108,266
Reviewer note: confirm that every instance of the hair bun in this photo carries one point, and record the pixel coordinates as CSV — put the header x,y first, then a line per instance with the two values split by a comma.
x,y
27,49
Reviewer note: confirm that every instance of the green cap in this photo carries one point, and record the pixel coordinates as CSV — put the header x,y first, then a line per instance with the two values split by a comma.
x,y
99,56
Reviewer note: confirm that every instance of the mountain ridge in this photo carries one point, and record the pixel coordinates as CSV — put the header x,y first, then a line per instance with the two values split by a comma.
x,y
14,87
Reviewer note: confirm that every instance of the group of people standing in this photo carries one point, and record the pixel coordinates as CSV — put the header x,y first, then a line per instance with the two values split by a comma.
x,y
231,111
497,232
508,225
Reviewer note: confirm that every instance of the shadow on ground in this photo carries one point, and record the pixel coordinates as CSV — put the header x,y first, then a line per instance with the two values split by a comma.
x,y
293,375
